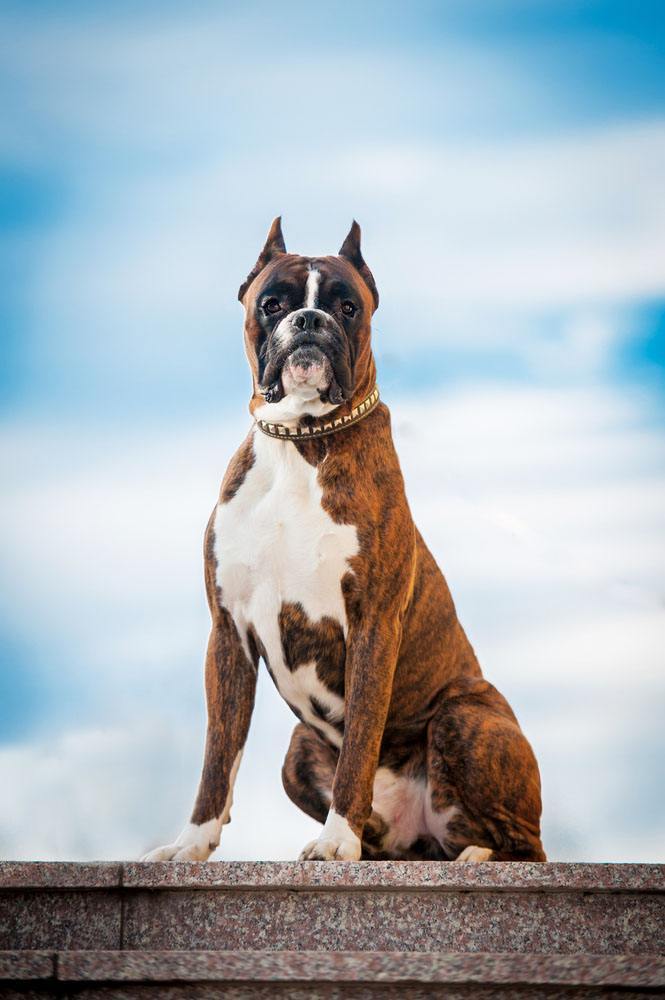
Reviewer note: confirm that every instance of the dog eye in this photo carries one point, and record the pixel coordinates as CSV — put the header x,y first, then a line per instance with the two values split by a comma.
x,y
271,306
348,308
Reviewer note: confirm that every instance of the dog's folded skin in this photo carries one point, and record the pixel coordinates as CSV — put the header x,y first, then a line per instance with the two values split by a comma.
x,y
314,565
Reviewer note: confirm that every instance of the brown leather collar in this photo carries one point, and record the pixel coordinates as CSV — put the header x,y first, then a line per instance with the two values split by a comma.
x,y
326,426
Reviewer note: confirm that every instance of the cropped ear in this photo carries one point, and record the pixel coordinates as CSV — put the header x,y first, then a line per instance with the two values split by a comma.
x,y
274,245
350,250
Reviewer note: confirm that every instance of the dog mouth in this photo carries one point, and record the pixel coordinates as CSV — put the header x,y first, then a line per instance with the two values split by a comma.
x,y
307,369
308,372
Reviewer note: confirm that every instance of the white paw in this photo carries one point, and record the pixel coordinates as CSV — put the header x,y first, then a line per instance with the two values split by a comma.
x,y
325,849
195,843
473,853
178,852
337,842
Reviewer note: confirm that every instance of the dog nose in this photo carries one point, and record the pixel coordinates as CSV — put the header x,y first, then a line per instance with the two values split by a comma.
x,y
307,320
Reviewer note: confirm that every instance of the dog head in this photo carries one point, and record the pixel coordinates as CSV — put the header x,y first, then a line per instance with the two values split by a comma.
x,y
308,323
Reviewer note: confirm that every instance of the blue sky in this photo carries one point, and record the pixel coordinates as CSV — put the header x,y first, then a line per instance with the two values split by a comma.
x,y
507,164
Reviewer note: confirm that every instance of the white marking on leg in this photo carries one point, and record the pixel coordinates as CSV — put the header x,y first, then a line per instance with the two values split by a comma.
x,y
312,289
226,811
473,853
198,840
336,842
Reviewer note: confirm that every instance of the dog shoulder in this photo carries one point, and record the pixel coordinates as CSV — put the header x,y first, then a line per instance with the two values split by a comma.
x,y
237,469
236,472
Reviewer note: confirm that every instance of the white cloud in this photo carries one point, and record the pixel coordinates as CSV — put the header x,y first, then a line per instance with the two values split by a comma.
x,y
110,793
573,220
176,85
469,245
563,219
467,236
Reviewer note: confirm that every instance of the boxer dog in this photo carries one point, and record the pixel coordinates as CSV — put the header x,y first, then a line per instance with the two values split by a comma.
x,y
313,564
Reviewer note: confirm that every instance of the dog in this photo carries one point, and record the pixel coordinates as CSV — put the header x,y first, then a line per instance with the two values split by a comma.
x,y
313,564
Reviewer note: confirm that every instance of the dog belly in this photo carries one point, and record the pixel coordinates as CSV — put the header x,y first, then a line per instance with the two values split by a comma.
x,y
278,549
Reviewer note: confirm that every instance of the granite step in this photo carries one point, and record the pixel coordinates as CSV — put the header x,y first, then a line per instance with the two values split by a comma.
x,y
331,929
341,906
171,974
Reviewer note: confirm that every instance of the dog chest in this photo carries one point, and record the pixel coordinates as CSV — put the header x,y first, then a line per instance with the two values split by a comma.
x,y
280,560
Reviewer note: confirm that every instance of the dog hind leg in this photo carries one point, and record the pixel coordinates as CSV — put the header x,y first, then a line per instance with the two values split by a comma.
x,y
308,772
480,761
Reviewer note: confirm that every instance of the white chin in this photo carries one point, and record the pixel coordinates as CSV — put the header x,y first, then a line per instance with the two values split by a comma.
x,y
303,390
300,399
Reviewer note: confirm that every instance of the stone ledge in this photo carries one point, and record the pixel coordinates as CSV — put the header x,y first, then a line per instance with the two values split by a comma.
x,y
607,971
338,875
335,907
60,875
26,965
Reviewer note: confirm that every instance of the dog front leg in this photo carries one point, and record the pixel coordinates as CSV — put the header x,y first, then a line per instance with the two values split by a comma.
x,y
370,667
230,678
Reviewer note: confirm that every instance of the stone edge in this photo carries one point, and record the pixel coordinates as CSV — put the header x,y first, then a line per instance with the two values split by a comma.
x,y
387,967
339,875
398,875
60,875
26,965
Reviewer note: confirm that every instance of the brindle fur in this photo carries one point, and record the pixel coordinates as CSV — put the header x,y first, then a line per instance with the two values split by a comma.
x,y
415,698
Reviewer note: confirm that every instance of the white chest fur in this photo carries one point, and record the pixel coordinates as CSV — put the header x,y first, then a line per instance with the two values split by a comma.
x,y
274,543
